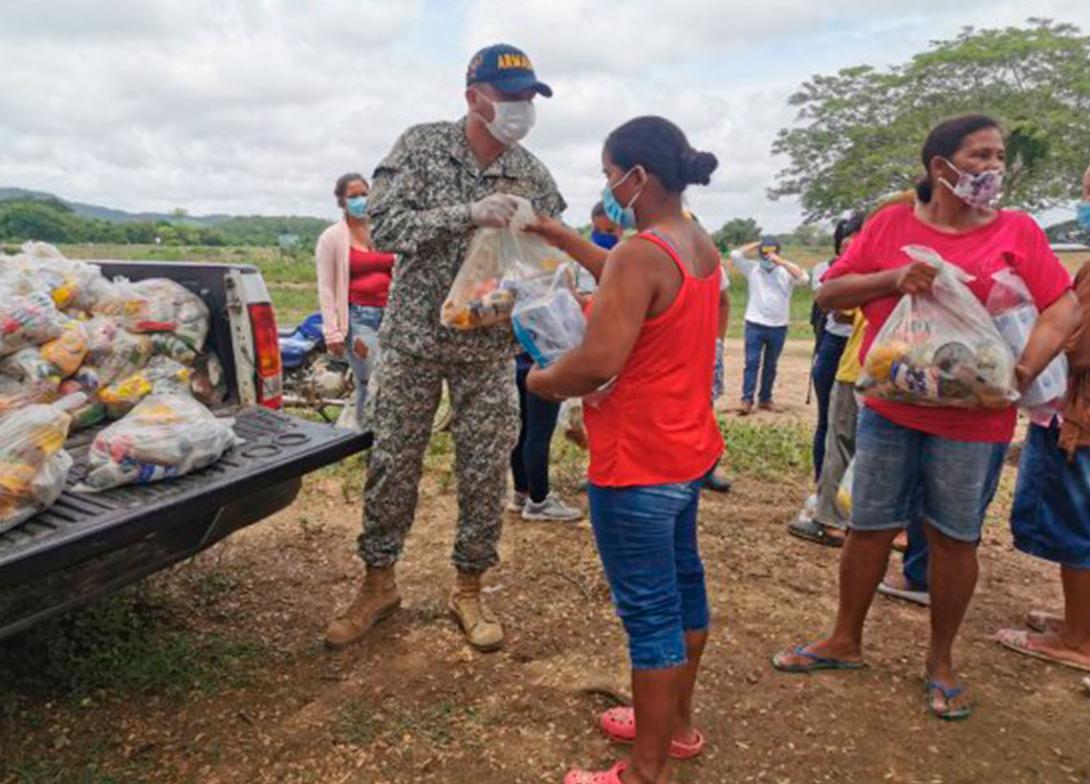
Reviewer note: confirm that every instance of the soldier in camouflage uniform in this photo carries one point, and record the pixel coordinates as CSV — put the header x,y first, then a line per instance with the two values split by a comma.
x,y
440,182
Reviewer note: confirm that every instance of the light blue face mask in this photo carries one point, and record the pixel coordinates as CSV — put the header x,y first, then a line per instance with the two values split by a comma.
x,y
625,217
356,206
1082,214
767,265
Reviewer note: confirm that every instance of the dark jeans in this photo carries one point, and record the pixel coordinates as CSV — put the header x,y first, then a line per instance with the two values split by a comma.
x,y
530,458
766,342
826,361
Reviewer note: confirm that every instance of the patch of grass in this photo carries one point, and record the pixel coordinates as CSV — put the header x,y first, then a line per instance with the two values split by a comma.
x,y
357,723
128,643
768,451
360,723
57,772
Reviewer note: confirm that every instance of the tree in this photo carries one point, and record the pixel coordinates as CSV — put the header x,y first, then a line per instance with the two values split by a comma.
x,y
859,132
735,232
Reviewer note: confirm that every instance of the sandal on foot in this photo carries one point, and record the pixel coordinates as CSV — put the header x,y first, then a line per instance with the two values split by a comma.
x,y
611,776
1042,621
813,531
949,714
1018,641
619,725
815,662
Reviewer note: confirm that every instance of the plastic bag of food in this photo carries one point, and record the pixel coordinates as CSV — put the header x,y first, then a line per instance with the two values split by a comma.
x,y
209,381
550,324
73,285
114,352
1014,312
497,266
844,490
86,413
28,366
161,376
165,436
33,463
16,394
28,320
940,348
158,305
67,352
167,344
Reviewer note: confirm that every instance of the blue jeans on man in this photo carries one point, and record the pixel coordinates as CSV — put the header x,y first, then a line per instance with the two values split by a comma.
x,y
763,348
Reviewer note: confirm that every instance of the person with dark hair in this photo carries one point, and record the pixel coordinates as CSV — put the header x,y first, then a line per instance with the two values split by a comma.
x,y
940,462
353,284
1050,517
440,182
768,312
652,334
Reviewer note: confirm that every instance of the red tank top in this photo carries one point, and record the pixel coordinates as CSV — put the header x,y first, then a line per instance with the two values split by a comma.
x,y
656,426
369,277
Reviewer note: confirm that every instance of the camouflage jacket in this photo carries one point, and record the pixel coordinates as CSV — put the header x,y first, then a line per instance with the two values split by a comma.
x,y
419,209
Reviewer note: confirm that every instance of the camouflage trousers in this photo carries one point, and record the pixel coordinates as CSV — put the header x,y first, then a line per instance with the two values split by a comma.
x,y
403,397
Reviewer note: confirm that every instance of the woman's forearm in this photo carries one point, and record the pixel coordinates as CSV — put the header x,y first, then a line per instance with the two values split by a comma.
x,y
1049,335
853,291
590,256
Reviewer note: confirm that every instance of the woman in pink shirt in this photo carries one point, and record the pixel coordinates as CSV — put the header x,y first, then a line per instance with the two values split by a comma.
x,y
939,463
353,284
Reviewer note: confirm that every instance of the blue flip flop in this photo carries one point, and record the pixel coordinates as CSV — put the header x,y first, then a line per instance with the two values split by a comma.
x,y
815,663
950,714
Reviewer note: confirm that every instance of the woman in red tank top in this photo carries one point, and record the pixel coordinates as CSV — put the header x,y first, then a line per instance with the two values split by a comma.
x,y
654,437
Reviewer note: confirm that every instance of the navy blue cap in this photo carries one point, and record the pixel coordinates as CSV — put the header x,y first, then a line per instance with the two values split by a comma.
x,y
507,68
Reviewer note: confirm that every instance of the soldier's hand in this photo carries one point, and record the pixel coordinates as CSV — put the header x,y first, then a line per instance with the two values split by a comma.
x,y
493,211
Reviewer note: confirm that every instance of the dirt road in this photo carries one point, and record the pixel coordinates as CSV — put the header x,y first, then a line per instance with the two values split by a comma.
x,y
413,704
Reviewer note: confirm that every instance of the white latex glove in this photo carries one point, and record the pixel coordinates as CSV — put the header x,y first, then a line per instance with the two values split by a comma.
x,y
493,211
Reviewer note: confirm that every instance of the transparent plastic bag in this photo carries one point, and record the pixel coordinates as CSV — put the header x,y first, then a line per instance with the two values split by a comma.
x,y
114,352
165,436
162,375
209,381
28,320
16,394
157,305
67,352
30,367
940,348
33,464
1014,312
500,264
844,490
549,323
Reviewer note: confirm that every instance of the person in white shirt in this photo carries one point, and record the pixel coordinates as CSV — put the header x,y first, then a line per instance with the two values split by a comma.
x,y
770,281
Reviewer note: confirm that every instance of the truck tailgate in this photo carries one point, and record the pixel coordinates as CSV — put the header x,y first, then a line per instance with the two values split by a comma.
x,y
252,480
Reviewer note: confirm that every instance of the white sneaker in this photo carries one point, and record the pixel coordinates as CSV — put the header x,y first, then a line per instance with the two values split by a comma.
x,y
552,509
518,502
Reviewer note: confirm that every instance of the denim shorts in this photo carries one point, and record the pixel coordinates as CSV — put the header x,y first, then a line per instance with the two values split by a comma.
x,y
646,538
363,323
1050,517
899,471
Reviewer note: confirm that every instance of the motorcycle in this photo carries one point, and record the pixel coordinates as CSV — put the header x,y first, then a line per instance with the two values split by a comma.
x,y
317,380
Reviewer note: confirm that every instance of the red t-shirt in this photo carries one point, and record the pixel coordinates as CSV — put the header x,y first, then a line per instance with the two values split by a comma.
x,y
369,277
1012,240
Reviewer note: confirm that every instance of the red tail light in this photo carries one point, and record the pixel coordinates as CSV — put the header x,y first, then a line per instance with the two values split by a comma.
x,y
270,389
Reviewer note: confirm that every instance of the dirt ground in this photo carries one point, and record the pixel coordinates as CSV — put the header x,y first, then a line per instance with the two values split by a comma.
x,y
412,703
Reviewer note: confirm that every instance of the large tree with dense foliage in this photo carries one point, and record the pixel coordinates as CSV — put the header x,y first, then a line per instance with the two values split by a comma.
x,y
859,132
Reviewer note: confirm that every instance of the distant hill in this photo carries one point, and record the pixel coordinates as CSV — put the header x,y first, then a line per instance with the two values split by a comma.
x,y
97,212
27,214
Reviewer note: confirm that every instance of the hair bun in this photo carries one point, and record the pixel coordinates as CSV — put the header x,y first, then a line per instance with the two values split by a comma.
x,y
697,167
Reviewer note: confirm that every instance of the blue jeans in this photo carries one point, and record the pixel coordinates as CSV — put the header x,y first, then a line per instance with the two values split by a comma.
x,y
826,360
363,323
1050,517
902,475
646,539
766,342
530,457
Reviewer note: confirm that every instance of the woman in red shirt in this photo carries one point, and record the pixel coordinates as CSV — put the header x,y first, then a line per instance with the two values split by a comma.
x,y
943,463
654,437
353,284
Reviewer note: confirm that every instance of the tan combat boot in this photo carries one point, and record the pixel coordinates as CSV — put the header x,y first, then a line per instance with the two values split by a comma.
x,y
377,599
482,630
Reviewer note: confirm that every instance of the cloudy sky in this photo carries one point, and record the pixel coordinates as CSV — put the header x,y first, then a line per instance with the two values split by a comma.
x,y
255,106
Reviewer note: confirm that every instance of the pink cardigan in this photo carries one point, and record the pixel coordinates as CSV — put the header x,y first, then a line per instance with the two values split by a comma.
x,y
331,259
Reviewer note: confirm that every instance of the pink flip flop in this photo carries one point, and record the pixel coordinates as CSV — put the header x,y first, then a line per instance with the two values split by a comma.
x,y
619,725
611,776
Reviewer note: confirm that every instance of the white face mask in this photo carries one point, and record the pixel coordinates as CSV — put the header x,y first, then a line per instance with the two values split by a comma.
x,y
511,121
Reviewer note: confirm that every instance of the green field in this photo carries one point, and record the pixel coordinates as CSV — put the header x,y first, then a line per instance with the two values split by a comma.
x,y
291,276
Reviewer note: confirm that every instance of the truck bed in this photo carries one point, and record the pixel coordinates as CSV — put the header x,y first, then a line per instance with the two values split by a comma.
x,y
90,544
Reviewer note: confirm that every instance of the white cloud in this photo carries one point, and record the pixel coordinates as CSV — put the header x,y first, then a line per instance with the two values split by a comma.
x,y
255,106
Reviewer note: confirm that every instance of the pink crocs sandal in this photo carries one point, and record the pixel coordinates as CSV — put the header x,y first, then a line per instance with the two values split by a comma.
x,y
611,776
619,725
